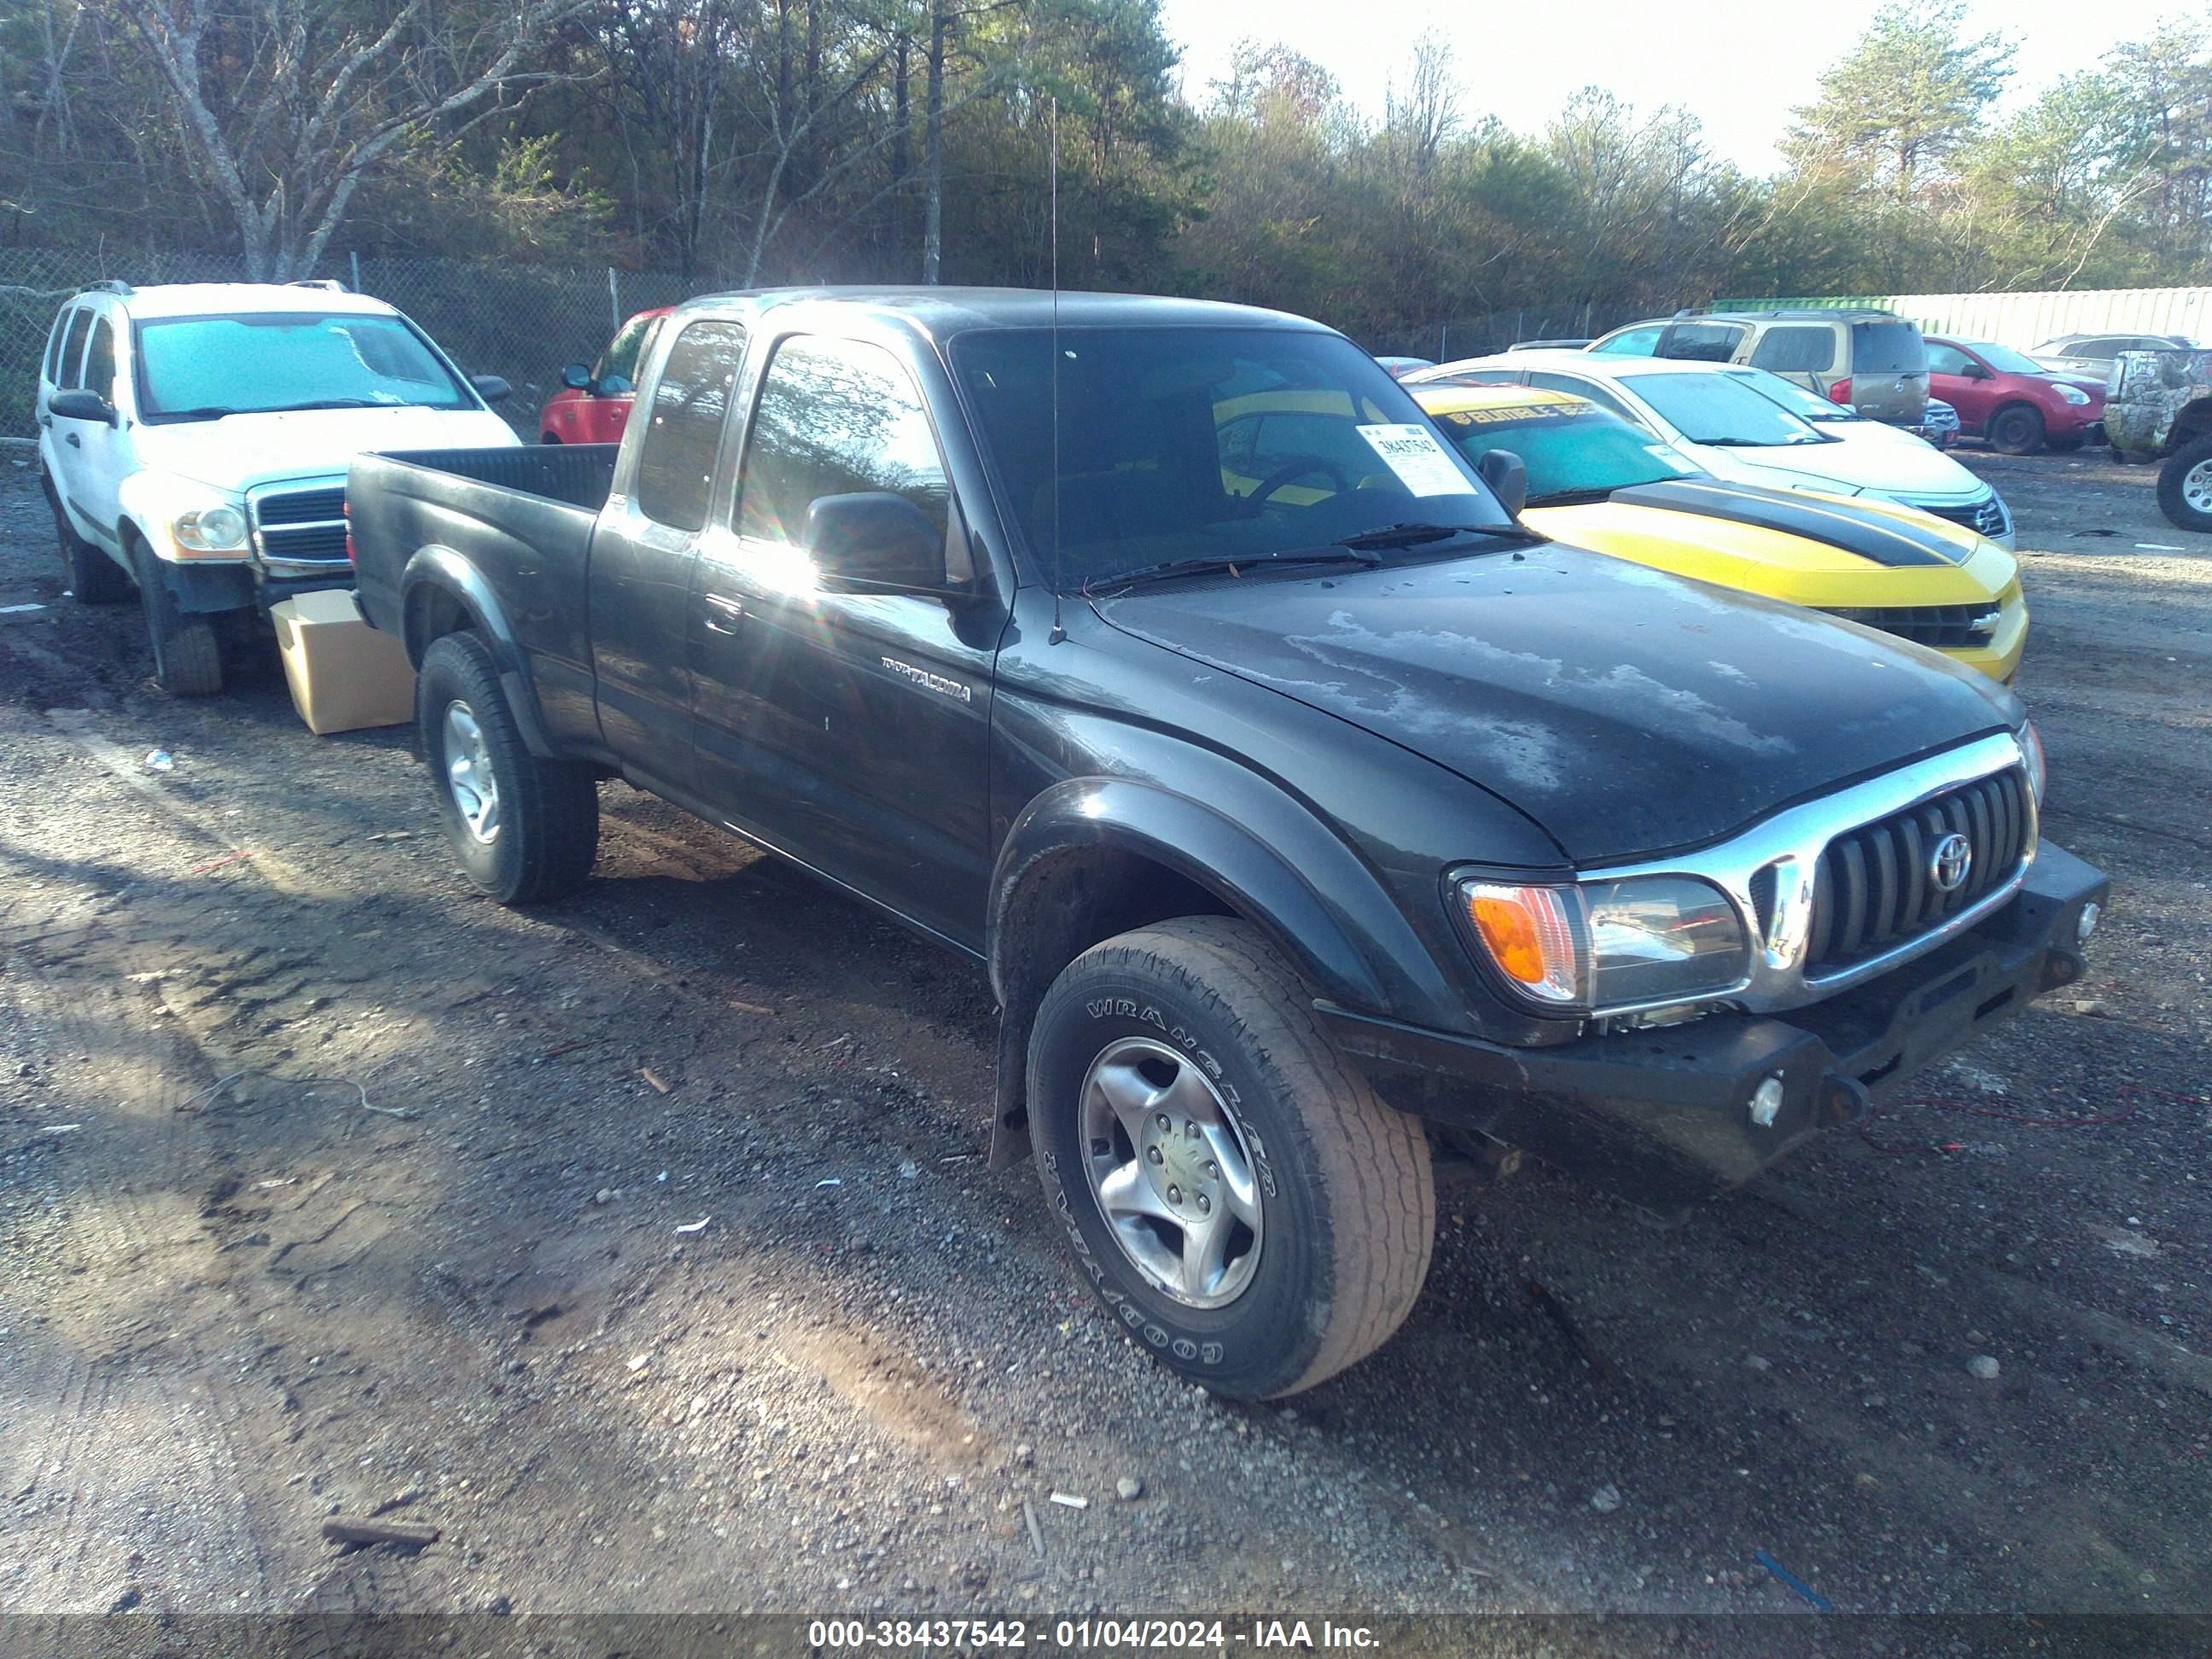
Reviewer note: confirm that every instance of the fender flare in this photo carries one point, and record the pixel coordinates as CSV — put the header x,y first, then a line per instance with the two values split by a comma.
x,y
1206,847
442,570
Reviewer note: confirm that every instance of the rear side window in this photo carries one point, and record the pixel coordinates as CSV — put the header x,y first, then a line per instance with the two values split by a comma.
x,y
1887,349
676,466
837,417
1796,350
62,322
73,351
1702,342
99,362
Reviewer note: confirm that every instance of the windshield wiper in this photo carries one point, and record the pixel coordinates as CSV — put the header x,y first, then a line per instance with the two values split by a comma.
x,y
1413,534
1214,566
331,403
1584,497
203,412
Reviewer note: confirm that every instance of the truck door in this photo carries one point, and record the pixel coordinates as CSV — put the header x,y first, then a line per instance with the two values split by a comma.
x,y
846,726
642,553
107,458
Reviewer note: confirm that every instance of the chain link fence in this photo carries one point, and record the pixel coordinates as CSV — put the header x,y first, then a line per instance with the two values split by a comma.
x,y
492,317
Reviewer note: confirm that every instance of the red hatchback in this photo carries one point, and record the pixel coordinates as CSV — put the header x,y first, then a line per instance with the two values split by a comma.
x,y
2012,400
593,403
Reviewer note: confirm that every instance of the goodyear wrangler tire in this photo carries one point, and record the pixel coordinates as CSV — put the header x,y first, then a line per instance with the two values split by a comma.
x,y
1233,1190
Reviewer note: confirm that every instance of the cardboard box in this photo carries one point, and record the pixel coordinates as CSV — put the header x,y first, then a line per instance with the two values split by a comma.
x,y
343,674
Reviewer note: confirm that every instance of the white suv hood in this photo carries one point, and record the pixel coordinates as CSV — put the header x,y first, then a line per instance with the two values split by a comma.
x,y
238,452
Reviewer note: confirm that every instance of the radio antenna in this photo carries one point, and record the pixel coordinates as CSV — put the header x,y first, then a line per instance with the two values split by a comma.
x,y
1058,632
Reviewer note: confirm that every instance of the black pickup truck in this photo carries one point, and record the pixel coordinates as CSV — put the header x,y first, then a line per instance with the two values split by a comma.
x,y
1299,800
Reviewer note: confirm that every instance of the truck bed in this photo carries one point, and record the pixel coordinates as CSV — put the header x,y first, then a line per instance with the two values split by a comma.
x,y
520,518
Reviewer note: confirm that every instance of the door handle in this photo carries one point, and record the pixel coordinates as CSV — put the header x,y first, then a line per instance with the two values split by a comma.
x,y
74,441
45,420
723,613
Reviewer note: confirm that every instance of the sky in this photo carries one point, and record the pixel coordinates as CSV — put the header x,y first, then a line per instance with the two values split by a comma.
x,y
1738,65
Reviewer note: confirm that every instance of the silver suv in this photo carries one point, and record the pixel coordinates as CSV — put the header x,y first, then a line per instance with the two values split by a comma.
x,y
1873,361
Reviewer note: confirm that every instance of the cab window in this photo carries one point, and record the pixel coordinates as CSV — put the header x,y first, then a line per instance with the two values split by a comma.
x,y
63,321
72,375
100,360
837,417
619,360
1633,342
675,463
1701,342
1796,350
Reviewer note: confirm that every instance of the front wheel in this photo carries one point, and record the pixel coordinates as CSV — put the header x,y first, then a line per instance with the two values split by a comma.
x,y
87,572
2016,429
1233,1191
187,661
525,829
2185,486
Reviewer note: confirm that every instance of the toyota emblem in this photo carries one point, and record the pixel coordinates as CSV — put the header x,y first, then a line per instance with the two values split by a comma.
x,y
1948,864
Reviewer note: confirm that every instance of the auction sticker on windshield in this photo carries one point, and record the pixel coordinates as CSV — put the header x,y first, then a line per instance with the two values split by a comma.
x,y
1414,453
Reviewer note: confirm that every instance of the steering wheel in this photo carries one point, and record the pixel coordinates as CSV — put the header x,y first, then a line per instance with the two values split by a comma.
x,y
1297,466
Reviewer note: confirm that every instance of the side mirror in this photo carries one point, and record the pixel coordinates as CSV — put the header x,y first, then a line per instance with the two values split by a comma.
x,y
492,388
577,378
1507,475
81,405
877,537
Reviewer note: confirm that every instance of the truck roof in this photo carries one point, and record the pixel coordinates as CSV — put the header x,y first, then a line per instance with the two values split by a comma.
x,y
206,299
947,311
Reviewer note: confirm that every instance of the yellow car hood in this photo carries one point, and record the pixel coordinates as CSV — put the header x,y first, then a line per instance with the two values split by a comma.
x,y
1837,553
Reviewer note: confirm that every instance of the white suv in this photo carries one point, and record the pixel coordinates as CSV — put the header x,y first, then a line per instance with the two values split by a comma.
x,y
195,440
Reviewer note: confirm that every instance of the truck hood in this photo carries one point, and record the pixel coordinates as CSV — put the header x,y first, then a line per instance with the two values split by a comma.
x,y
1628,712
239,451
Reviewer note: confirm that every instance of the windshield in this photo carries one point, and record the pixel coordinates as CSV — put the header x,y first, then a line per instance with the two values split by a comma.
x,y
2005,360
1182,444
201,367
1720,409
1806,405
1887,349
1571,449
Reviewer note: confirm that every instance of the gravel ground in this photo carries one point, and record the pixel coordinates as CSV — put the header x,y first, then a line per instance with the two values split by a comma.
x,y
325,1186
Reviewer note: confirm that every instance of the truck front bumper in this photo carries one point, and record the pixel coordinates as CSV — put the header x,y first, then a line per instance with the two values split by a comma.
x,y
1665,1117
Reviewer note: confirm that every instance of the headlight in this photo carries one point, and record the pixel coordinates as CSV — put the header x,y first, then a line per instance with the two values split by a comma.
x,y
1601,945
210,529
2072,394
2038,770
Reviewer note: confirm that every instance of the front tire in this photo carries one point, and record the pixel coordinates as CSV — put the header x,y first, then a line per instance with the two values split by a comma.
x,y
1235,1193
2016,429
525,828
2185,486
187,658
87,572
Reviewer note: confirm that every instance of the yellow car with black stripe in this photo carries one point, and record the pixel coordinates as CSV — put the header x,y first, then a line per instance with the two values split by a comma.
x,y
1595,482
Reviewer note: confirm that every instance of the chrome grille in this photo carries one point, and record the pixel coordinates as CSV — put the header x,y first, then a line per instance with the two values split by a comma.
x,y
1875,889
300,527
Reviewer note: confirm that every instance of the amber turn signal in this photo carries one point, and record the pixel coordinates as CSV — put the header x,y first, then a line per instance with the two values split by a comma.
x,y
1529,933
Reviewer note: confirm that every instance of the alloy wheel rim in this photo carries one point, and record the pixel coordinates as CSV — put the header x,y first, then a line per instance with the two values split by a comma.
x,y
1170,1172
469,779
2196,487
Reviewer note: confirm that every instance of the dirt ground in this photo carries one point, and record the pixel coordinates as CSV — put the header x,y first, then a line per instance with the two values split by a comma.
x,y
326,1187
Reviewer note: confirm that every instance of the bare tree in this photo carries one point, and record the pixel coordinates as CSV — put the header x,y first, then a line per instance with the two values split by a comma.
x,y
287,104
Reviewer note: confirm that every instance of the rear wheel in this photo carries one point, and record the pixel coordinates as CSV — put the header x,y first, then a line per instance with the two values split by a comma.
x,y
2185,486
2016,429
525,829
1234,1192
187,659
87,572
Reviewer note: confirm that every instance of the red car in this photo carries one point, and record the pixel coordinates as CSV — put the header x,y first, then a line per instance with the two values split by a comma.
x,y
2012,400
593,403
